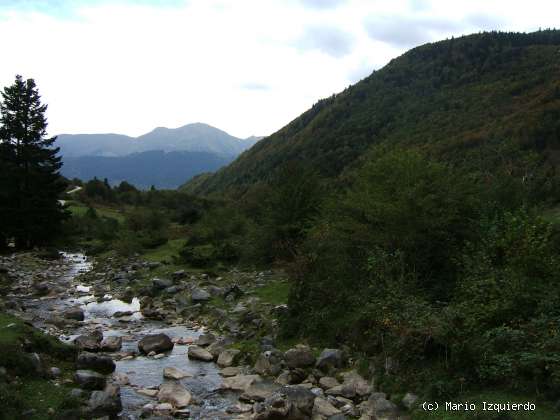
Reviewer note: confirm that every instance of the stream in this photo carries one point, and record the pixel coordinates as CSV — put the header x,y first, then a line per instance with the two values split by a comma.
x,y
209,402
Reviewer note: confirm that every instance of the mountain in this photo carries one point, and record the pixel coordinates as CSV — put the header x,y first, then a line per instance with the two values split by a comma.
x,y
164,157
195,137
487,97
144,169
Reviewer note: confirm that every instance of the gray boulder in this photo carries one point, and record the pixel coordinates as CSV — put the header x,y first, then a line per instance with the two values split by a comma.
x,y
299,357
330,358
174,393
198,353
88,379
106,402
227,357
290,402
160,284
111,344
199,295
76,313
96,362
89,342
155,342
205,339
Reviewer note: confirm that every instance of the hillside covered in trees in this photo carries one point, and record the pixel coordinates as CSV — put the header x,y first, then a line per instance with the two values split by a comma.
x,y
478,100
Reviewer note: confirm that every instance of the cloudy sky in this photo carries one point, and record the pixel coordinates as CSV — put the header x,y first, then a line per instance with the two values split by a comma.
x,y
245,66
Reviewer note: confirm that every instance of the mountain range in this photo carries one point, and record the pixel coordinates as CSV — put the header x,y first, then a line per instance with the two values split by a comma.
x,y
163,157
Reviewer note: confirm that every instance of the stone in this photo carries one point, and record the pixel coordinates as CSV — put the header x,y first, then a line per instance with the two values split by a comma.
x,y
289,402
98,363
120,314
89,342
76,313
88,379
409,400
174,373
377,406
156,342
299,357
198,353
36,362
240,382
259,391
178,274
269,362
147,392
330,358
111,344
328,382
199,295
163,409
227,357
230,371
321,407
175,393
54,372
205,339
106,402
160,284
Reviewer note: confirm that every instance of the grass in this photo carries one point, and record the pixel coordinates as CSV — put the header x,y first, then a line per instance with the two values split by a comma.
x,y
275,292
543,411
79,209
31,391
165,252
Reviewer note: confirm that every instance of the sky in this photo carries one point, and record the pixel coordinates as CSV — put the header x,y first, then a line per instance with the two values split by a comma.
x,y
248,67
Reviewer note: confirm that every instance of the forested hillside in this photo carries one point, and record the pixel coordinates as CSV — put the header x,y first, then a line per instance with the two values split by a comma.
x,y
477,100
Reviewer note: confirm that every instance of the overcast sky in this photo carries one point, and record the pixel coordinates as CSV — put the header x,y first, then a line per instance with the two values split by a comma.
x,y
245,66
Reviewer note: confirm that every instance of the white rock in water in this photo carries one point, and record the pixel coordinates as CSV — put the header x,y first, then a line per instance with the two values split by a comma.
x,y
174,373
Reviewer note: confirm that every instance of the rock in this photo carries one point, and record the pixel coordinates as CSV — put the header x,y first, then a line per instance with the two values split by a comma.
x,y
269,362
89,342
230,371
160,284
227,357
178,274
120,314
106,402
200,296
377,406
205,339
259,391
156,342
54,372
287,403
147,392
330,358
98,363
111,344
299,357
88,379
174,373
163,409
328,382
42,288
121,379
240,382
409,400
174,393
36,362
198,353
321,407
76,313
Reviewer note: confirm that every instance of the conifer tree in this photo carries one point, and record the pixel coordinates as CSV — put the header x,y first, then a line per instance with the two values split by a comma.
x,y
30,184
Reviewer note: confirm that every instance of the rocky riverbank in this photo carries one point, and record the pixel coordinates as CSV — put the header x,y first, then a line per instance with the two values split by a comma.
x,y
142,350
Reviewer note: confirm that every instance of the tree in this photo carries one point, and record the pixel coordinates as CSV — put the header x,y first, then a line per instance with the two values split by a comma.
x,y
30,183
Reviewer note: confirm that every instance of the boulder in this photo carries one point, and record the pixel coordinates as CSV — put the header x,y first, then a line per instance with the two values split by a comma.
x,y
174,373
98,363
199,295
290,402
378,406
106,402
174,393
76,313
299,357
111,344
323,408
240,382
88,379
89,342
409,400
205,339
269,362
259,391
160,284
227,357
198,353
155,342
328,382
330,358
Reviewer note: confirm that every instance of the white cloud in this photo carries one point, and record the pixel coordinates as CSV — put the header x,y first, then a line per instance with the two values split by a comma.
x,y
247,67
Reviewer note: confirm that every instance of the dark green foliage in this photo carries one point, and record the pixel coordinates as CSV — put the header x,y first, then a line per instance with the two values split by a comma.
x,y
29,182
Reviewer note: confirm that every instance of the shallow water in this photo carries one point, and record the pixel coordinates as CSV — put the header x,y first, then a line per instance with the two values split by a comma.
x,y
143,372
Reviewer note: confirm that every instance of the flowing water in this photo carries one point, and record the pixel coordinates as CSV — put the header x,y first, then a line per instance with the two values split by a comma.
x,y
142,372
